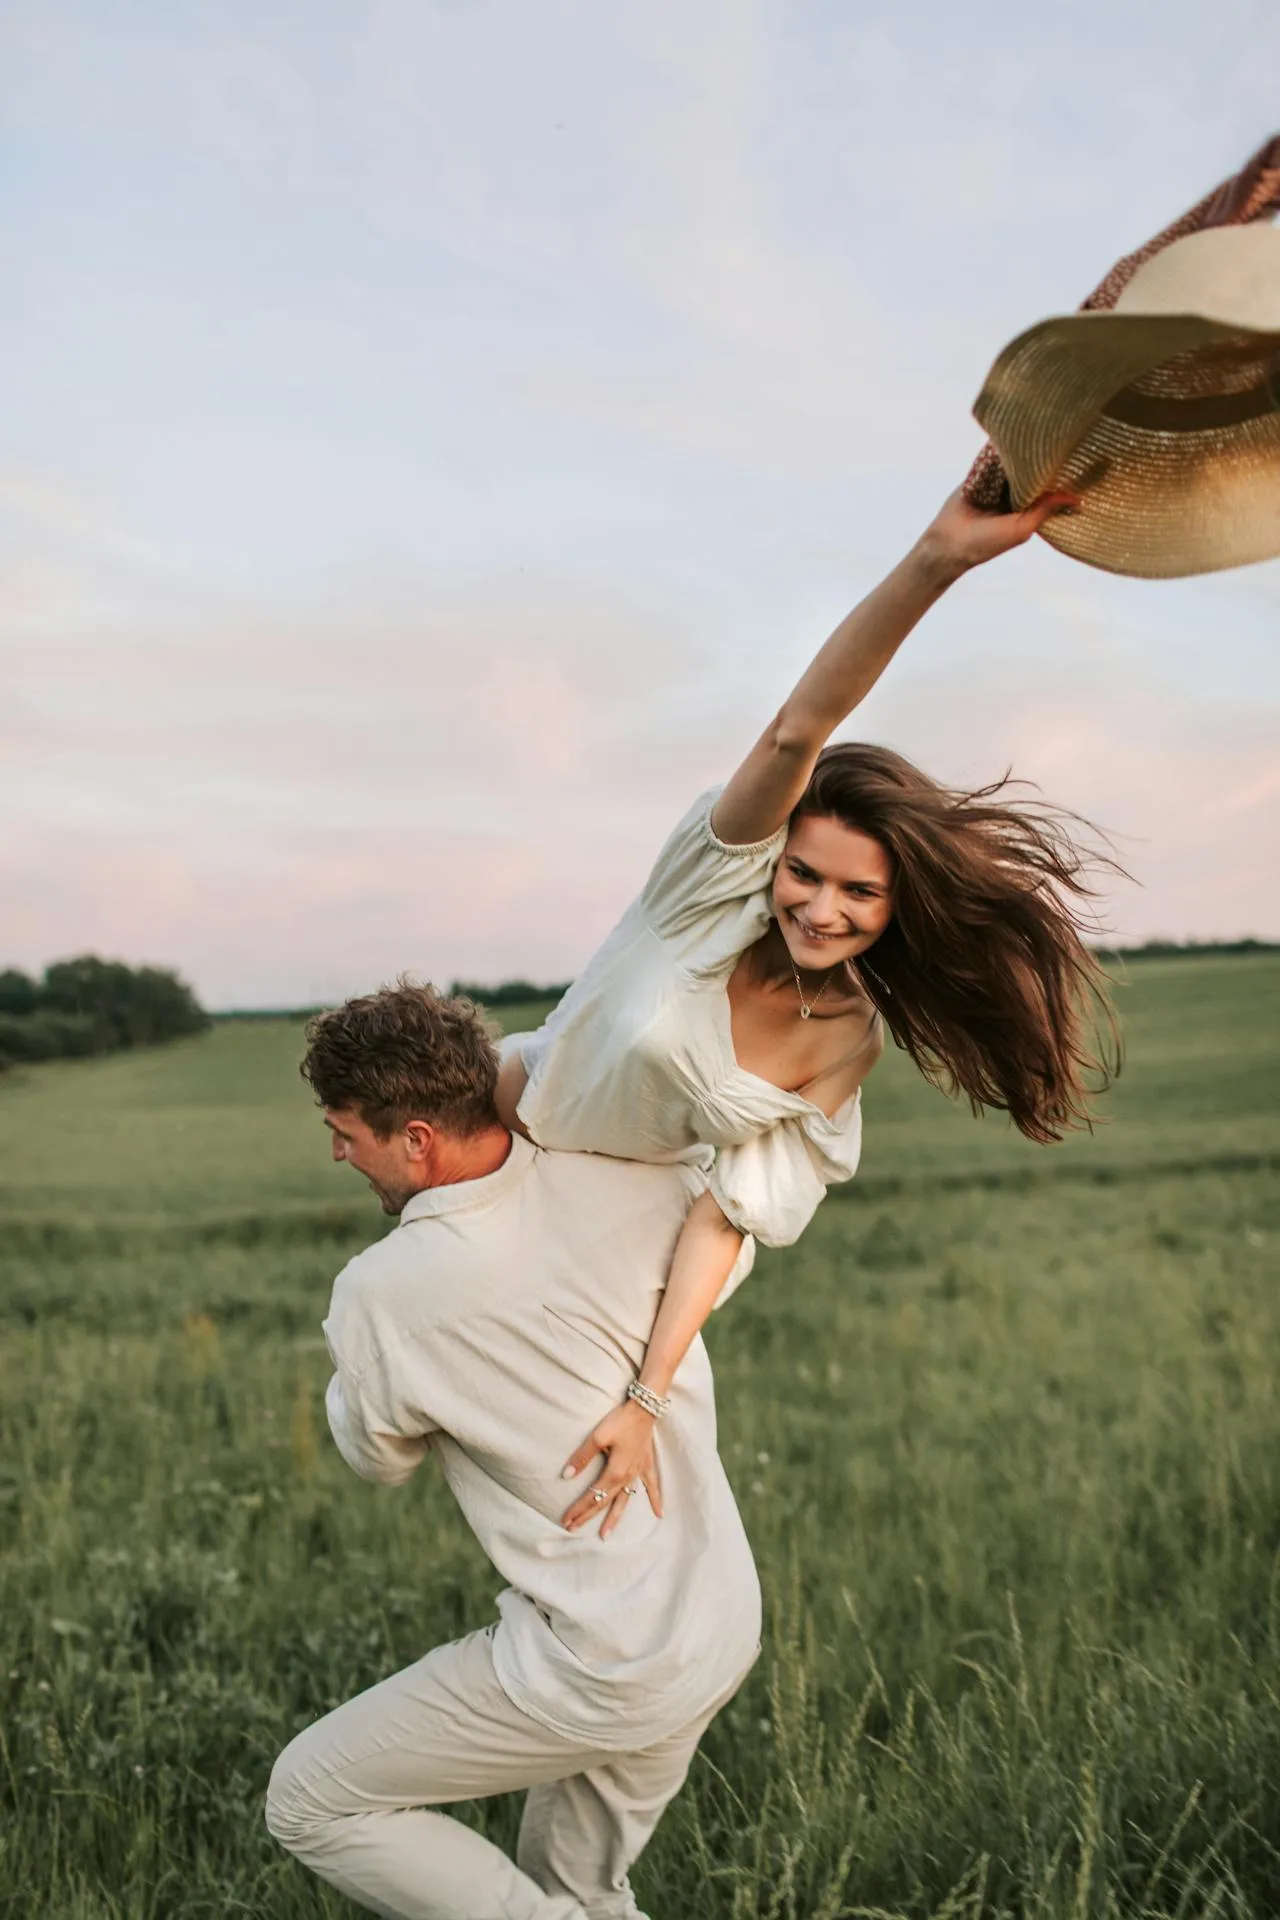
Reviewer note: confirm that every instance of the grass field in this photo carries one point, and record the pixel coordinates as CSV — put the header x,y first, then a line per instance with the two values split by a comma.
x,y
1004,1429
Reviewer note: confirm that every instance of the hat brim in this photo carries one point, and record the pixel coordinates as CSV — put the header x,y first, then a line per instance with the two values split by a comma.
x,y
1168,425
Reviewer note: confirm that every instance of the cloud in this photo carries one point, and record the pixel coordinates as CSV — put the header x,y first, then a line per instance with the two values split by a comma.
x,y
483,412
471,779
47,505
450,778
1183,785
776,346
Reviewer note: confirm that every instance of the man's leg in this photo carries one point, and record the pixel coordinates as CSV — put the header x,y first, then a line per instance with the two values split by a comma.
x,y
581,1834
350,1795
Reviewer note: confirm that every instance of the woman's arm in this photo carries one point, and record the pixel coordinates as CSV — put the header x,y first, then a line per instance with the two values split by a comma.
x,y
775,773
513,1078
702,1262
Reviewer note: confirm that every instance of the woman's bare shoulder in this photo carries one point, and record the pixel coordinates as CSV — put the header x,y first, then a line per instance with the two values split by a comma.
x,y
864,1027
852,1008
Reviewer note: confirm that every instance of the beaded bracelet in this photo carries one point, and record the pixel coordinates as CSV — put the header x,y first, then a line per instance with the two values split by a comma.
x,y
654,1403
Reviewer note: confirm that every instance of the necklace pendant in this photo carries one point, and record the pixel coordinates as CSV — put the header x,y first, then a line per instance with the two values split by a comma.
x,y
805,1012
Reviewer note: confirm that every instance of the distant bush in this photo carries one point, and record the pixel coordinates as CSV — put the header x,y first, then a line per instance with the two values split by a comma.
x,y
1187,949
87,1005
47,1036
511,992
19,993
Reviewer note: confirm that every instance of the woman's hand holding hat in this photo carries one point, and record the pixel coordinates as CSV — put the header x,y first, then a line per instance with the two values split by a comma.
x,y
1159,398
963,536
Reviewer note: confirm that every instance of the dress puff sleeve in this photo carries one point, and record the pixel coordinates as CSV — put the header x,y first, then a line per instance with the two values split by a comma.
x,y
705,901
704,897
771,1185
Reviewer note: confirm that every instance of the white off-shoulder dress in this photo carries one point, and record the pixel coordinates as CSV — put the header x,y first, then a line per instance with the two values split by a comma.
x,y
637,1060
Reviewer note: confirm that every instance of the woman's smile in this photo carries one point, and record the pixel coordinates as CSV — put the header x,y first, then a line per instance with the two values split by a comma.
x,y
808,932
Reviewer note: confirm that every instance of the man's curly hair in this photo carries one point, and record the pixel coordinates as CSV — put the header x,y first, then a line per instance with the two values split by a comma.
x,y
405,1053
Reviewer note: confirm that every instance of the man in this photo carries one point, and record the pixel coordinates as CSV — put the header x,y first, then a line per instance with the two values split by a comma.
x,y
493,1328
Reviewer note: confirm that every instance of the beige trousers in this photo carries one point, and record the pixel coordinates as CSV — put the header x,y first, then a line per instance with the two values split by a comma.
x,y
351,1797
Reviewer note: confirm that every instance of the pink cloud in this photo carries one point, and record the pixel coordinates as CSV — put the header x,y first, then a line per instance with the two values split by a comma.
x,y
1183,784
471,777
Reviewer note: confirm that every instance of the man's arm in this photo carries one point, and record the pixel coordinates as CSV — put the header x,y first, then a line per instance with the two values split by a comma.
x,y
375,1449
378,1427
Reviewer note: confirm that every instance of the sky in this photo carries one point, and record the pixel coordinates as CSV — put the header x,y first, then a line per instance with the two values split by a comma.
x,y
438,433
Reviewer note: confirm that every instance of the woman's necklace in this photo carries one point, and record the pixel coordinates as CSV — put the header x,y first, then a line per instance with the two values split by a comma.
x,y
807,1006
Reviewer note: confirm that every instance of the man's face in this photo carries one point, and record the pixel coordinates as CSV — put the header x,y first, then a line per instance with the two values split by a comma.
x,y
385,1164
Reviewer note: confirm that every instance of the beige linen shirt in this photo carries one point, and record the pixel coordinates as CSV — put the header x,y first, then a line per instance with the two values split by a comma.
x,y
494,1327
637,1060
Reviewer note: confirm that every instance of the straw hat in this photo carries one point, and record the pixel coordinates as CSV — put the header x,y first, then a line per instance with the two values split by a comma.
x,y
1158,400
1164,413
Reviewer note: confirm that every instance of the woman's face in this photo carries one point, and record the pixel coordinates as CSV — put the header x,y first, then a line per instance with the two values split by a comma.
x,y
832,892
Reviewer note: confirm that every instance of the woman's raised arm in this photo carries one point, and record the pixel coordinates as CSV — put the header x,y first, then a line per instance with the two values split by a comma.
x,y
776,772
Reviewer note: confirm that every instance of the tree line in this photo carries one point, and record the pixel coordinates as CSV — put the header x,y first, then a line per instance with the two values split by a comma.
x,y
1188,949
86,1005
511,993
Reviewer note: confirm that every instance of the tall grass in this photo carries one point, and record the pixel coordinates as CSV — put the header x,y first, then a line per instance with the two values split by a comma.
x,y
1006,1441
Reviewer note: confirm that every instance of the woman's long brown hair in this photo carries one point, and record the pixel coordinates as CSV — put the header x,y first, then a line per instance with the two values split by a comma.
x,y
982,974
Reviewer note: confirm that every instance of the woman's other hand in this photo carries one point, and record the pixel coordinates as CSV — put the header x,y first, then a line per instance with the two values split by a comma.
x,y
962,536
625,1437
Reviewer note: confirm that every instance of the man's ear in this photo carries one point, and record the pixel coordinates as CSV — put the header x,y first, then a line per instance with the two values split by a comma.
x,y
419,1139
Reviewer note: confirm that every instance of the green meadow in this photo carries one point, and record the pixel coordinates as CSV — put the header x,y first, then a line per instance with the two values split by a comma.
x,y
1004,1429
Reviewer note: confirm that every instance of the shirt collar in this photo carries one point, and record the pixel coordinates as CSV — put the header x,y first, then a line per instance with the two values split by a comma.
x,y
459,1194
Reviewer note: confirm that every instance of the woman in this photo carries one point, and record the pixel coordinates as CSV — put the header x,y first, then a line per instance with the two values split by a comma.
x,y
735,1006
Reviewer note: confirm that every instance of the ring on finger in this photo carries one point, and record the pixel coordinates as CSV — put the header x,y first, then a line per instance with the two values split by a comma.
x,y
598,1494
